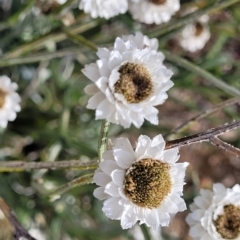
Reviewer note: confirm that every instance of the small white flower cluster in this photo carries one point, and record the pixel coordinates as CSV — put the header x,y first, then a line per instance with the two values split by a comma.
x,y
142,185
195,35
215,215
146,11
129,80
9,101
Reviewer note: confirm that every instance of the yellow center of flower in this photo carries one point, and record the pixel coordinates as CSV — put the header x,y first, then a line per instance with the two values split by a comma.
x,y
134,83
158,2
3,95
228,224
198,29
147,183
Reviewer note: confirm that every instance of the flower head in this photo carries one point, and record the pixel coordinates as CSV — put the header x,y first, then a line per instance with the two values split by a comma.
x,y
215,215
195,35
143,185
103,8
9,101
128,83
153,11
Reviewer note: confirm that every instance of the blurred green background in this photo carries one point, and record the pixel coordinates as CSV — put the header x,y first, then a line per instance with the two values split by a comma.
x,y
54,124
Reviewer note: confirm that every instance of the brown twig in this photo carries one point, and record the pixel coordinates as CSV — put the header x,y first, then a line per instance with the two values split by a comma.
x,y
203,136
223,145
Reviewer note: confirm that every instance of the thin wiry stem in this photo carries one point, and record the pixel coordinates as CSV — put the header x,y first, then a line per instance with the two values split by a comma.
x,y
55,37
203,136
4,62
200,71
19,166
207,113
226,146
102,143
56,194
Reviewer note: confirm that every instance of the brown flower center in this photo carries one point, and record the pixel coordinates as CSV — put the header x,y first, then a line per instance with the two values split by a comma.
x,y
198,29
3,95
228,224
147,183
158,2
134,83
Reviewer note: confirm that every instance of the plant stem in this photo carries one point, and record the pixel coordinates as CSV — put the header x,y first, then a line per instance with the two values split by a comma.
x,y
223,145
197,70
102,143
203,136
19,166
56,194
207,113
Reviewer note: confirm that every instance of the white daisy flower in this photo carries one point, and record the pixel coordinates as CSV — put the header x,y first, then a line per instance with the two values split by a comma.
x,y
103,8
216,214
195,35
128,83
9,101
142,185
153,11
142,41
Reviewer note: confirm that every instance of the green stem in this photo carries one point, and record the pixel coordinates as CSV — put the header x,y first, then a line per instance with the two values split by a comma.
x,y
20,166
40,42
207,113
5,62
145,232
197,70
80,40
102,143
56,194
178,23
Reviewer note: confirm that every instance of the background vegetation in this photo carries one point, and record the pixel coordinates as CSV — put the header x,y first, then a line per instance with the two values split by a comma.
x,y
44,46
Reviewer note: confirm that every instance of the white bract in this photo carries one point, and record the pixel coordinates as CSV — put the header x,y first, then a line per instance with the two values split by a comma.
x,y
142,185
103,8
9,101
153,11
128,83
195,35
215,214
142,41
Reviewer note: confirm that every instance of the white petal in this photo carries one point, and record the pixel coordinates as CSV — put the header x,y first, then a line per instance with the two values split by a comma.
x,y
112,189
101,179
100,194
123,158
112,209
107,166
128,219
118,177
171,155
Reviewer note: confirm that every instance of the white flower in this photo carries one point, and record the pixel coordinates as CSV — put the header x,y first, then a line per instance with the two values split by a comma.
x,y
142,41
103,8
128,83
142,185
9,101
153,11
216,214
195,35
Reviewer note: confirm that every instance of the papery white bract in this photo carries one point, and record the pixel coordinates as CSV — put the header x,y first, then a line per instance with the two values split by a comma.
x,y
128,83
142,41
142,185
9,101
103,8
195,35
215,215
153,11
